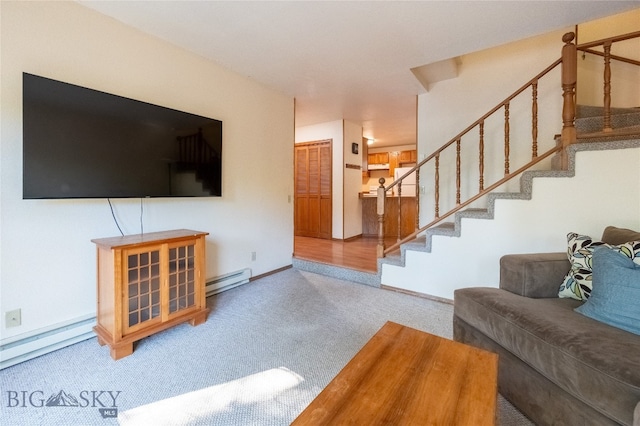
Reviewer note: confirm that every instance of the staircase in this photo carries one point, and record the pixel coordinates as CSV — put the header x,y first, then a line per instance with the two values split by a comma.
x,y
522,222
614,157
588,124
585,129
529,216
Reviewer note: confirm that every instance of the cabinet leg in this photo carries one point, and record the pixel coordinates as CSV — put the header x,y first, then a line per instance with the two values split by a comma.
x,y
199,318
101,341
121,351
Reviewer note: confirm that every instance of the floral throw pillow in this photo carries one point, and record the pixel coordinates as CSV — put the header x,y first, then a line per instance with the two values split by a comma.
x,y
577,283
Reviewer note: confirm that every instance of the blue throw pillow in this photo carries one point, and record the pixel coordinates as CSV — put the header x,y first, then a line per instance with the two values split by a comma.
x,y
615,297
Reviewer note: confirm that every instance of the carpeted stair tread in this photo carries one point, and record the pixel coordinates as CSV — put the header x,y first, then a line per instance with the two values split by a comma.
x,y
618,121
629,132
586,111
362,277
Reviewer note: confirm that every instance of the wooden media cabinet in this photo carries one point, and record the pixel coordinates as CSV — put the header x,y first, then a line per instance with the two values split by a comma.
x,y
147,283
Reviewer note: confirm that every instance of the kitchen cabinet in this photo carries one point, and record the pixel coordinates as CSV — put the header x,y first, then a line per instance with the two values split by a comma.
x,y
146,284
370,216
410,156
394,161
378,158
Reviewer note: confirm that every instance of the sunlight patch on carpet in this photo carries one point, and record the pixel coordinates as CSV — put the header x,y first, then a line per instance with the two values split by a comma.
x,y
193,406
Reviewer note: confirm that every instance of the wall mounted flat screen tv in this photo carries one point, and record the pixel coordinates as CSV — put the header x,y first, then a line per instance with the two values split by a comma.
x,y
83,143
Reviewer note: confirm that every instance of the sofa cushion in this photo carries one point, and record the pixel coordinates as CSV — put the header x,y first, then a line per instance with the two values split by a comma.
x,y
614,236
615,298
534,274
595,362
577,284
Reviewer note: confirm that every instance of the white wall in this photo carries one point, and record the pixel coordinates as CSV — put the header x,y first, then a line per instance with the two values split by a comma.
x,y
47,263
352,180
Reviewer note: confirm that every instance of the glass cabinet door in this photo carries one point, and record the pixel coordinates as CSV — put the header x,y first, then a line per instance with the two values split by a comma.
x,y
142,288
182,278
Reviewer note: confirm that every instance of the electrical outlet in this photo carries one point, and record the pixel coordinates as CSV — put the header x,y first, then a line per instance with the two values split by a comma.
x,y
253,256
13,318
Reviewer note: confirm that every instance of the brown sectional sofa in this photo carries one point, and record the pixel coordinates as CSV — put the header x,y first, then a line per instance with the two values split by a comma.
x,y
557,366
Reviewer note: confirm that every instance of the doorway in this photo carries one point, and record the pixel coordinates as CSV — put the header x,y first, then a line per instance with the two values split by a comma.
x,y
313,194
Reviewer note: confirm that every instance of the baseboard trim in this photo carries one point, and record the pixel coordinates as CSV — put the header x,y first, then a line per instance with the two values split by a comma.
x,y
227,281
24,347
416,294
275,271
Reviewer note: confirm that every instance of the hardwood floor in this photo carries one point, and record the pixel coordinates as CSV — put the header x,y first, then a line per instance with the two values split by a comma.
x,y
358,254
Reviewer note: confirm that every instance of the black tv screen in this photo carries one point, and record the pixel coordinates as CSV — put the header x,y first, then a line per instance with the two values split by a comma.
x,y
83,143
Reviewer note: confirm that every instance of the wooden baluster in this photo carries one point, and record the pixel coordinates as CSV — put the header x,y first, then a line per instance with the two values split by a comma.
x,y
534,119
417,198
607,87
382,193
569,77
458,171
481,158
437,186
399,210
506,138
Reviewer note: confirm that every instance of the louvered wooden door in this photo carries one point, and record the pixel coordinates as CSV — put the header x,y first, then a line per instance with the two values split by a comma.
x,y
313,189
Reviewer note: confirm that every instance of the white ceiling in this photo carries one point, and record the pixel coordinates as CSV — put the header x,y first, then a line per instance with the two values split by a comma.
x,y
348,59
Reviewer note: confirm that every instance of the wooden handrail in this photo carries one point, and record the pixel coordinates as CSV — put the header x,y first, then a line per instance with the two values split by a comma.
x,y
615,57
614,39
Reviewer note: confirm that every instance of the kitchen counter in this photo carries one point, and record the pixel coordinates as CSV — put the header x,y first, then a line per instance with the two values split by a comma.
x,y
370,215
370,195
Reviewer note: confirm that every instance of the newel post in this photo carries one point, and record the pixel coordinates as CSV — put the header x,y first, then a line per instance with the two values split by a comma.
x,y
380,211
569,78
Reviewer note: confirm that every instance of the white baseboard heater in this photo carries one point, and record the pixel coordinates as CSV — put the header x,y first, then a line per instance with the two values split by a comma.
x,y
23,347
227,281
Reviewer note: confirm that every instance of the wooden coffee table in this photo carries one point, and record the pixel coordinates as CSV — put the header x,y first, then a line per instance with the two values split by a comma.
x,y
403,376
